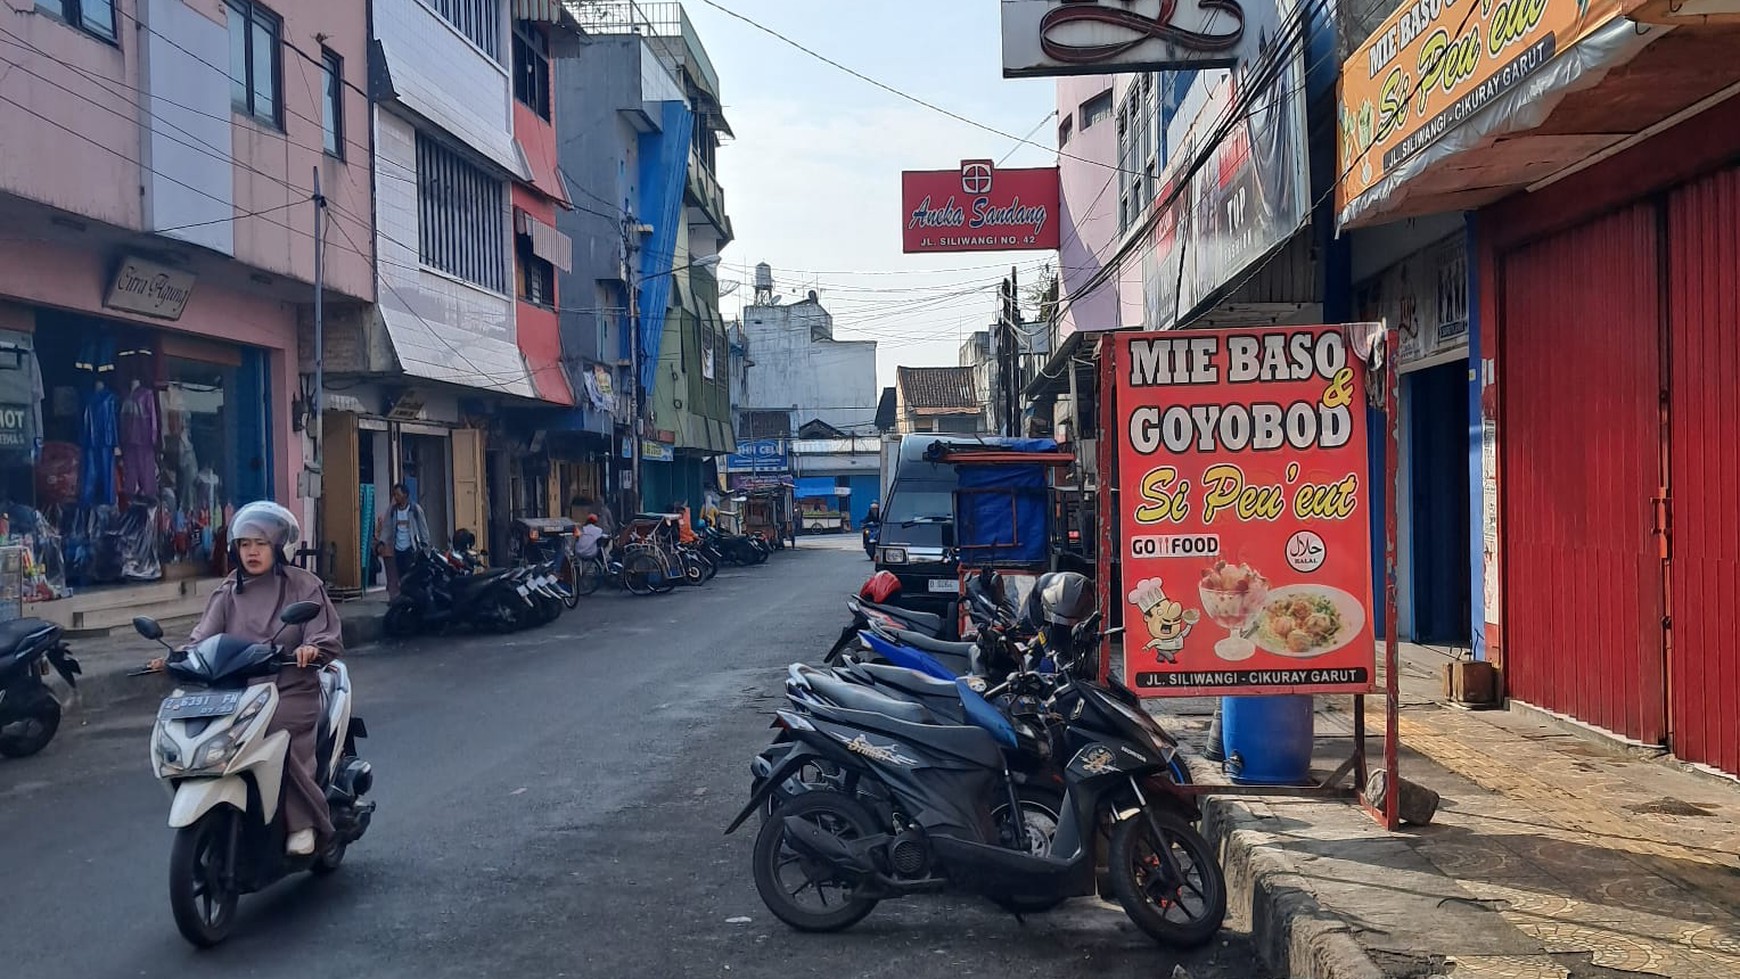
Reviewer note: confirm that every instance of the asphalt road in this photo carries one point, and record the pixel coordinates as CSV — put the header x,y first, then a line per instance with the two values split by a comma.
x,y
551,804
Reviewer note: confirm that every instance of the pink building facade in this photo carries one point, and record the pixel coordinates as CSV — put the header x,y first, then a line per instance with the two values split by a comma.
x,y
156,271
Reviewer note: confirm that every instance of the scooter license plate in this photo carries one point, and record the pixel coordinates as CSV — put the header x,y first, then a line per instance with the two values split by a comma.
x,y
199,705
523,590
945,584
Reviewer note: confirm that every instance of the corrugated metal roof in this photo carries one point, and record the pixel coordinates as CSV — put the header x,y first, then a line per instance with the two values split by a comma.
x,y
542,11
938,387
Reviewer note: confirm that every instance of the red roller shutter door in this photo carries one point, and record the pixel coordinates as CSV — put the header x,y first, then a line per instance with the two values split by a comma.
x,y
1581,338
1704,354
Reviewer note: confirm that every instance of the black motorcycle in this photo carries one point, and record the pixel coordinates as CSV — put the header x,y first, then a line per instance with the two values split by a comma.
x,y
435,596
931,823
739,549
29,712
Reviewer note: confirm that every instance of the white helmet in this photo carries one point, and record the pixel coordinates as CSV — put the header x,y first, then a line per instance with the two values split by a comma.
x,y
268,521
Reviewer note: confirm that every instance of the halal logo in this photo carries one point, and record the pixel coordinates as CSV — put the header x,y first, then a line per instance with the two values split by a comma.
x,y
976,176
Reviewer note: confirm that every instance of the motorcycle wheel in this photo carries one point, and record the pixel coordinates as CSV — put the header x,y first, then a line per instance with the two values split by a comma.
x,y
1040,811
402,620
835,813
708,565
39,719
204,909
693,572
1177,913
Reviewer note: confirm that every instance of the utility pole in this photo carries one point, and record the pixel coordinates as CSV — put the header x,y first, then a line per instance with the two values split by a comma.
x,y
629,249
317,428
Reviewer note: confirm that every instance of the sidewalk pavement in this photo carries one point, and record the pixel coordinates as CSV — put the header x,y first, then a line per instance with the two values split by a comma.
x,y
105,661
1551,857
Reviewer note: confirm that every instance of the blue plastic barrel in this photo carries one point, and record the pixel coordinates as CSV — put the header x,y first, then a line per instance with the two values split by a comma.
x,y
1268,739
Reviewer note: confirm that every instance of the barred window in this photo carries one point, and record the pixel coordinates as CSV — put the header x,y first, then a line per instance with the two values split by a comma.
x,y
462,230
479,20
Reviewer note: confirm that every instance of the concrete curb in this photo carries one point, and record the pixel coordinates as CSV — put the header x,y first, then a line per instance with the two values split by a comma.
x,y
1295,934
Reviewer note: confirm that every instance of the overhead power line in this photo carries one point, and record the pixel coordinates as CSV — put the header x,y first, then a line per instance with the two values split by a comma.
x,y
890,89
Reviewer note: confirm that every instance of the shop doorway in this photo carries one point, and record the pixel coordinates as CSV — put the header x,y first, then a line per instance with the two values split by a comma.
x,y
425,467
1438,497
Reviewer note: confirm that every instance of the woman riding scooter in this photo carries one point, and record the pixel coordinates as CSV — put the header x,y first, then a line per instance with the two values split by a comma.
x,y
248,604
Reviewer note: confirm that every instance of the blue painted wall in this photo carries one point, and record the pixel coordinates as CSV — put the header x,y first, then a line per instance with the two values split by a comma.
x,y
865,490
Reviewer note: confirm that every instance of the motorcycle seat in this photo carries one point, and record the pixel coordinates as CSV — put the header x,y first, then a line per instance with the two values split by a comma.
x,y
973,744
854,697
918,640
21,634
908,681
927,621
472,582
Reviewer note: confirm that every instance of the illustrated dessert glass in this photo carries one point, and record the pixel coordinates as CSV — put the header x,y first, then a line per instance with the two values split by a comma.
x,y
1231,595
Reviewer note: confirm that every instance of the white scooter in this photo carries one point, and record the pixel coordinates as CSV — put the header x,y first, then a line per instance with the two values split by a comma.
x,y
226,774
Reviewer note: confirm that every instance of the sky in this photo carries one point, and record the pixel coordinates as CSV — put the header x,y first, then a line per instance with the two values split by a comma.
x,y
812,181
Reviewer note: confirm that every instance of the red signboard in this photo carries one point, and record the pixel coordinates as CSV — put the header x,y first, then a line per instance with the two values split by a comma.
x,y
1244,523
979,208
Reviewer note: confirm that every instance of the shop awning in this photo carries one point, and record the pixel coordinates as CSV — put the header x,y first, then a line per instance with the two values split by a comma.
x,y
438,352
547,243
1580,82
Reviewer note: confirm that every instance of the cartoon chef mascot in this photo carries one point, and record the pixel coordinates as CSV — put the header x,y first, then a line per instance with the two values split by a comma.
x,y
1168,622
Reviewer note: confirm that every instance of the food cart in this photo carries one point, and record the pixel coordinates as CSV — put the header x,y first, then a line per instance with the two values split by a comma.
x,y
769,509
1002,509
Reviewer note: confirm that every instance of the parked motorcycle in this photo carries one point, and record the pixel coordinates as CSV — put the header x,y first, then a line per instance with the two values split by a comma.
x,y
225,772
874,603
433,596
29,712
1118,803
739,549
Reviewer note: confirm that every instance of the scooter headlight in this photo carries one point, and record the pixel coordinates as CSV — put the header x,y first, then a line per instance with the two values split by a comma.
x,y
167,752
218,752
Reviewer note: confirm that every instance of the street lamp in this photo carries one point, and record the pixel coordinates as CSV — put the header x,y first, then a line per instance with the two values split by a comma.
x,y
705,262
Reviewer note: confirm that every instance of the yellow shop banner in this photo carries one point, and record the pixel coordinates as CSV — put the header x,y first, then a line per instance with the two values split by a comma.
x,y
1436,63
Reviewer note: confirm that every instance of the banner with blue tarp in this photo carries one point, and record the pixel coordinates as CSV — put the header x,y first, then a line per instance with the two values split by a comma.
x,y
810,487
1002,514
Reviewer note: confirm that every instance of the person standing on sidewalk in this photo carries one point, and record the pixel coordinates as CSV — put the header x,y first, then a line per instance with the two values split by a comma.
x,y
403,532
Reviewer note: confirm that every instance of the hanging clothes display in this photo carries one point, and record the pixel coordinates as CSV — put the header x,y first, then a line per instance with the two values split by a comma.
x,y
98,440
139,441
96,353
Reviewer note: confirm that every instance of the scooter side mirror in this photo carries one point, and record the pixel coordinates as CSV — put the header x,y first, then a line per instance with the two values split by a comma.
x,y
299,612
147,627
